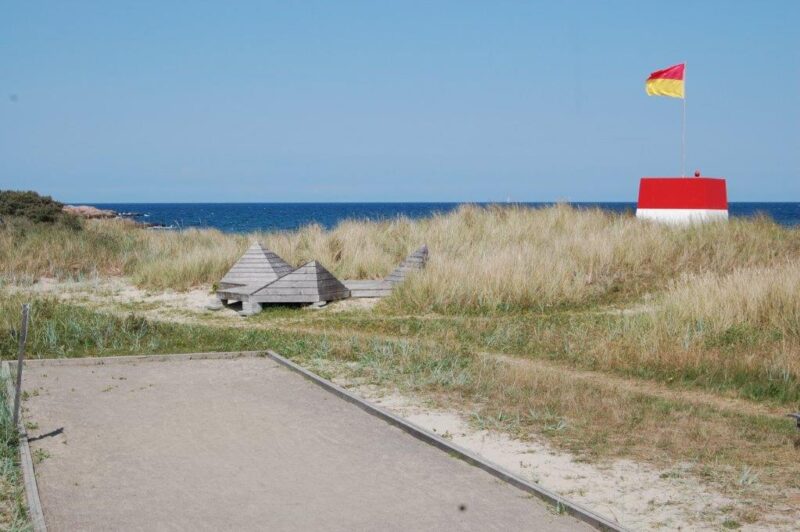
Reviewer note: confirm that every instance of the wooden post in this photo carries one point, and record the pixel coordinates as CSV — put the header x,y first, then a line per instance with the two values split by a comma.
x,y
23,337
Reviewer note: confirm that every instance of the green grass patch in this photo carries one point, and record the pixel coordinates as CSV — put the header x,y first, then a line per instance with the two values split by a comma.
x,y
628,346
64,331
13,511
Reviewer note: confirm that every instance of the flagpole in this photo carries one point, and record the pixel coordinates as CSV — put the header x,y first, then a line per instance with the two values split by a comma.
x,y
683,126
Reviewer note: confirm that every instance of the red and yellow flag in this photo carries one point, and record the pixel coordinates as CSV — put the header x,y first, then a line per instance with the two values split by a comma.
x,y
667,82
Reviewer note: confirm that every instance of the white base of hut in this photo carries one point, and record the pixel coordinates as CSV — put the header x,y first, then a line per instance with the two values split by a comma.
x,y
682,216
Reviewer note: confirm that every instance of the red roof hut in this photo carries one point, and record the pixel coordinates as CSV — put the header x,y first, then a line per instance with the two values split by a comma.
x,y
682,200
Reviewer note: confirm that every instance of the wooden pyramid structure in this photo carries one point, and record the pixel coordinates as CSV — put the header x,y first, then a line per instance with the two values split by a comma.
x,y
310,283
255,269
414,262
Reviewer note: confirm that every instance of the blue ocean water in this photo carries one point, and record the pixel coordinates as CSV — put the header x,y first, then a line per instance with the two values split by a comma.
x,y
244,217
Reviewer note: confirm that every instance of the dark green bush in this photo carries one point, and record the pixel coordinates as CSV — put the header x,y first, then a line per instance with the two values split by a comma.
x,y
32,207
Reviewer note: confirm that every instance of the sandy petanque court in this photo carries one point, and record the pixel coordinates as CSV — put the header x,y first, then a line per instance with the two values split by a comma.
x,y
243,444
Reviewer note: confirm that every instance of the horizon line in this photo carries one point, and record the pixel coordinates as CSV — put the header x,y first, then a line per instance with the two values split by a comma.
x,y
449,202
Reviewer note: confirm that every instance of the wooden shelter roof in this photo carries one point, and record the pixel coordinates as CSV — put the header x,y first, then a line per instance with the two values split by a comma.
x,y
310,283
258,266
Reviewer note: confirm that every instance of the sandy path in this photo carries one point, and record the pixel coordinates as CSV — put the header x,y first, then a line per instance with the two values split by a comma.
x,y
245,444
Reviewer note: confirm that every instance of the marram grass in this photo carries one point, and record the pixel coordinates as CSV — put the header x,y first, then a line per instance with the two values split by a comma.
x,y
482,259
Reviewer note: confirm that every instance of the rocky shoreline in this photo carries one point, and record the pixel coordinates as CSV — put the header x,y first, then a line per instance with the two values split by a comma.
x,y
90,213
87,212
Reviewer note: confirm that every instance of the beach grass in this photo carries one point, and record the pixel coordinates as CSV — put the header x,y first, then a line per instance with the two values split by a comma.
x,y
513,257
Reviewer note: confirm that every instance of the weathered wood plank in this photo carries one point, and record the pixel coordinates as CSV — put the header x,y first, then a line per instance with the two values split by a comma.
x,y
367,283
295,298
370,294
414,262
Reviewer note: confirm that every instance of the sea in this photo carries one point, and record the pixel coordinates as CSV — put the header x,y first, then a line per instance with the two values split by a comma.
x,y
246,217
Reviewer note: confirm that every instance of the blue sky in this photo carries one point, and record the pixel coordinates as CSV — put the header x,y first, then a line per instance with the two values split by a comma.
x,y
393,101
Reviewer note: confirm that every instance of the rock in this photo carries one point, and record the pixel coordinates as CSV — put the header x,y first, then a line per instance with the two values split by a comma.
x,y
214,304
89,212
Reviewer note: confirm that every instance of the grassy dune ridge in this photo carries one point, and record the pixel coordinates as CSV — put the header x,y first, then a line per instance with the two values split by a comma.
x,y
481,258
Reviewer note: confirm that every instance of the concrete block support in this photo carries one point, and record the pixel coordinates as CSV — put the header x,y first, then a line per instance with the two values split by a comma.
x,y
249,308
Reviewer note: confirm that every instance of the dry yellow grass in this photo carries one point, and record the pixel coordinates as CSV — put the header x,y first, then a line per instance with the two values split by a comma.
x,y
766,297
500,257
738,331
481,258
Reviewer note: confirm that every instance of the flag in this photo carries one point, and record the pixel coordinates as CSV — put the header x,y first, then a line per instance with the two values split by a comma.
x,y
667,82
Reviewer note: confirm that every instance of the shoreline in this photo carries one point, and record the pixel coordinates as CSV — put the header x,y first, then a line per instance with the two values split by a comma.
x,y
90,212
242,218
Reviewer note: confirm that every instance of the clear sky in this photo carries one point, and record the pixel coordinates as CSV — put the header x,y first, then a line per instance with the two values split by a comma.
x,y
393,101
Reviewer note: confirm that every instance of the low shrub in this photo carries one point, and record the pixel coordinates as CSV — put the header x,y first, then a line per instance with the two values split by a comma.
x,y
29,206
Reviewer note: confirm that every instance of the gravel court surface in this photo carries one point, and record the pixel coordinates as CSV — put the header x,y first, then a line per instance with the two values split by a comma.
x,y
244,444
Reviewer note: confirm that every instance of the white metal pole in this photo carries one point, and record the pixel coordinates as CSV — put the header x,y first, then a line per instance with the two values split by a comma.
x,y
683,126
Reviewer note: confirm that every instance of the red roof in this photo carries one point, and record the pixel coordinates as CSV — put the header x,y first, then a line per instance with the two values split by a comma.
x,y
683,193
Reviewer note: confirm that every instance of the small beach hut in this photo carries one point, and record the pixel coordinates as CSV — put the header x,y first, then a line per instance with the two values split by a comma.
x,y
682,199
